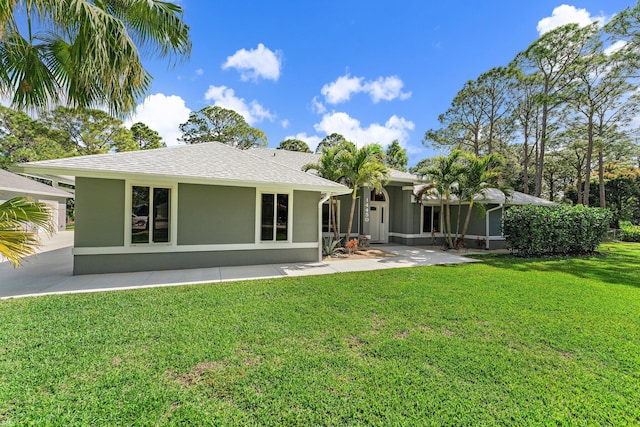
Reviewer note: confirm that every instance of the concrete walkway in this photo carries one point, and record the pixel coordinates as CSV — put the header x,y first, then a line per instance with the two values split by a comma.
x,y
50,271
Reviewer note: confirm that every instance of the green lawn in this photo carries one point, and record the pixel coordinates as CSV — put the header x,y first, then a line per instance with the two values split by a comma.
x,y
507,341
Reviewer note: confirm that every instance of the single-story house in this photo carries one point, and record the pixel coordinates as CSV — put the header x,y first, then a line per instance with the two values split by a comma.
x,y
394,214
13,185
193,206
208,205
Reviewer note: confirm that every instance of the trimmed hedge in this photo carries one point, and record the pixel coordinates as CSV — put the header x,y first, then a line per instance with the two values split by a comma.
x,y
554,230
629,232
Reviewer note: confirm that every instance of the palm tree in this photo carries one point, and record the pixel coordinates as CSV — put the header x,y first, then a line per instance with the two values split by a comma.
x,y
85,53
480,173
444,174
362,167
17,216
328,168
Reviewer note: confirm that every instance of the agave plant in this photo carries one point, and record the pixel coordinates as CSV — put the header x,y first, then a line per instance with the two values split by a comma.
x,y
331,247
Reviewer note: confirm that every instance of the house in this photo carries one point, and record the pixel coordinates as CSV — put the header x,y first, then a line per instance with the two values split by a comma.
x,y
394,214
193,206
12,185
209,205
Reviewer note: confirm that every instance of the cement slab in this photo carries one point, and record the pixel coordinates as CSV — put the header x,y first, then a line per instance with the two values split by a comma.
x,y
50,271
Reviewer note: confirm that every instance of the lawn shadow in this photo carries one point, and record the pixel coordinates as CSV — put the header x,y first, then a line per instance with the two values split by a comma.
x,y
612,263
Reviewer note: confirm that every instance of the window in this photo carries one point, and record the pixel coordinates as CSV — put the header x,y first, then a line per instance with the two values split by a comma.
x,y
150,225
430,219
274,217
327,221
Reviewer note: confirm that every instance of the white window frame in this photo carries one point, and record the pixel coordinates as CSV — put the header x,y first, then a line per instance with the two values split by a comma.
x,y
330,232
258,225
433,209
173,212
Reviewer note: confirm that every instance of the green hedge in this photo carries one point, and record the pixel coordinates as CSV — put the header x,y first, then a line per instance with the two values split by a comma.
x,y
629,232
554,230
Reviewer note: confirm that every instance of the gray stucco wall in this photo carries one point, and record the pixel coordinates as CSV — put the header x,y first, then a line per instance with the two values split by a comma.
x,y
495,221
305,216
94,264
345,209
99,219
477,223
209,214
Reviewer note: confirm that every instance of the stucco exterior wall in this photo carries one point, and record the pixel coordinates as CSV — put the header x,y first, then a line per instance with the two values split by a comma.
x,y
99,220
305,216
94,264
210,214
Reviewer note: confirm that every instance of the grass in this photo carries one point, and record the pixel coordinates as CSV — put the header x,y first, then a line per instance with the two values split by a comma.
x,y
506,341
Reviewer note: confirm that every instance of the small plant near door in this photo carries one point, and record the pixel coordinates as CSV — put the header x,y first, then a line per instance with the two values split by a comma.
x,y
352,245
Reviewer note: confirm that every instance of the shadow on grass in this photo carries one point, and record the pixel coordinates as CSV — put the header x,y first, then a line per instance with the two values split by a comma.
x,y
616,263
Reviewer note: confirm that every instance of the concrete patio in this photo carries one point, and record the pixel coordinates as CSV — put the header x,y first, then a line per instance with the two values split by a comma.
x,y
50,271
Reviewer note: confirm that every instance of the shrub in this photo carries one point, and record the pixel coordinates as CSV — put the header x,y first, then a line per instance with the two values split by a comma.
x,y
629,232
554,230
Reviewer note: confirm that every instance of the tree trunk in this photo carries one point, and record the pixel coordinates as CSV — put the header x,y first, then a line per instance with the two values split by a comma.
x,y
540,159
601,177
587,166
354,196
467,219
332,208
448,223
525,171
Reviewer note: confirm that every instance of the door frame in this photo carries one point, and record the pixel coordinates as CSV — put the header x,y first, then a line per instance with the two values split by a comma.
x,y
384,229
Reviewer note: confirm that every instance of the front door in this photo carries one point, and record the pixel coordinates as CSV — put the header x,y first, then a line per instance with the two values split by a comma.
x,y
379,222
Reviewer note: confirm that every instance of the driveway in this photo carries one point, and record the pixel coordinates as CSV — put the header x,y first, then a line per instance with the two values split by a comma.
x,y
50,271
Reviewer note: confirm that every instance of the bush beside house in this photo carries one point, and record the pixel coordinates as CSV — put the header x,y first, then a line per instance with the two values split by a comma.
x,y
554,230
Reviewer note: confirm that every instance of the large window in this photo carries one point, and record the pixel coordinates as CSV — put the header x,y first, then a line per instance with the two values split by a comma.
x,y
430,219
274,217
150,214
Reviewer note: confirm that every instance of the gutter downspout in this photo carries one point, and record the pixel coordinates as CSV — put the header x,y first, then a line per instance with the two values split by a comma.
x,y
486,240
320,203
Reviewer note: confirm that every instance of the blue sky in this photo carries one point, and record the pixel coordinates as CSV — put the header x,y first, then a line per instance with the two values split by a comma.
x,y
373,71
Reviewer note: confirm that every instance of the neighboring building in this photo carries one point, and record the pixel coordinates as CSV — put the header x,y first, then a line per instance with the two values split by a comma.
x,y
12,185
208,205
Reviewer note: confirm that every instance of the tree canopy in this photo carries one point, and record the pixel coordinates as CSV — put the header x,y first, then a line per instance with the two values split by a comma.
x,y
213,123
292,144
85,53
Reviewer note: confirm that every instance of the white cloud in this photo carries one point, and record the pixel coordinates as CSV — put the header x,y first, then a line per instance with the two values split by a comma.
x,y
381,89
256,63
199,71
163,114
317,106
386,89
284,123
339,122
341,90
615,47
225,97
566,14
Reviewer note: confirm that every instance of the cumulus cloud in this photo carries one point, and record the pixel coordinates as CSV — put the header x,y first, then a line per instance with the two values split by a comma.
x,y
257,63
225,97
381,89
317,106
394,128
284,123
163,114
566,14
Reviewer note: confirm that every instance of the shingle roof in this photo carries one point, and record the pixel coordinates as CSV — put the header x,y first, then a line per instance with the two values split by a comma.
x,y
19,184
207,162
297,160
492,195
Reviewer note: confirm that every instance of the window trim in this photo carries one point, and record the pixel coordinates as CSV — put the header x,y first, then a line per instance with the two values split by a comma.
x,y
173,212
433,211
258,224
